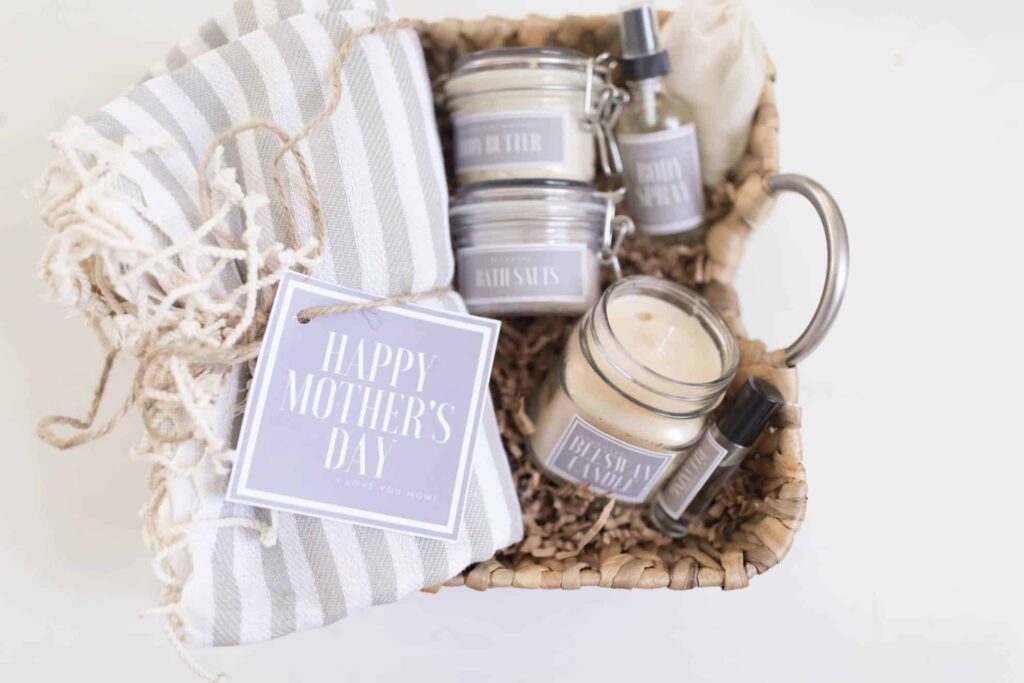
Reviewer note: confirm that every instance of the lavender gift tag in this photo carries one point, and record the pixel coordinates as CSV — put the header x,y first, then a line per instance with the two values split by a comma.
x,y
366,417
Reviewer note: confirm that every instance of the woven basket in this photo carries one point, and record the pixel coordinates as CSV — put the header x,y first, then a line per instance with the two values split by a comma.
x,y
573,538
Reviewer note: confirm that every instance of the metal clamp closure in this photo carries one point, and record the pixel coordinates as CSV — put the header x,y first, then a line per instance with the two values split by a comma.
x,y
615,230
602,106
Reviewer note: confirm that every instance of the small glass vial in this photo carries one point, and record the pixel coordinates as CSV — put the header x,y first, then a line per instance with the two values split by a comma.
x,y
531,247
657,139
531,113
715,458
639,374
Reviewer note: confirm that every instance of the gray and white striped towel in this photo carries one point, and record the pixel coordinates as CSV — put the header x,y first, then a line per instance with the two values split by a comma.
x,y
379,173
246,17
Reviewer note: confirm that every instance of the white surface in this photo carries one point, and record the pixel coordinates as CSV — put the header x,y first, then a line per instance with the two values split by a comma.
x,y
907,566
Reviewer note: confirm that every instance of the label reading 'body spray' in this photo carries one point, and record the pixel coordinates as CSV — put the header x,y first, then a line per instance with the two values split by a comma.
x,y
523,273
586,455
515,138
691,476
663,181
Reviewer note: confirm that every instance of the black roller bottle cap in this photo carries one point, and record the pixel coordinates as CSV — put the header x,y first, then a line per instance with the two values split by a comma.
x,y
747,415
642,56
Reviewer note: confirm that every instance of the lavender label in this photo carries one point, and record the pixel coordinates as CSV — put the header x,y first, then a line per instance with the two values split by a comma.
x,y
519,138
690,478
523,273
367,417
662,175
586,455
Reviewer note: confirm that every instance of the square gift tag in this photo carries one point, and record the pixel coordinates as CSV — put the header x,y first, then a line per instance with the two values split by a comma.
x,y
368,416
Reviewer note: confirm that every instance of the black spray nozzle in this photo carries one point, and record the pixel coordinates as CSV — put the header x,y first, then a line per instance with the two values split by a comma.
x,y
642,56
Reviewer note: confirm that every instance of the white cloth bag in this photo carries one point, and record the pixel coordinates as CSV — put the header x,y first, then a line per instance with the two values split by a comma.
x,y
718,67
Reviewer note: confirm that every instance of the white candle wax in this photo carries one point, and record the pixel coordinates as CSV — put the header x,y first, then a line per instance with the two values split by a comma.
x,y
665,338
662,337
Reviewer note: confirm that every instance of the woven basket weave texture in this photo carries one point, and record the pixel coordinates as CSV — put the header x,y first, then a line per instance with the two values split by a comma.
x,y
751,526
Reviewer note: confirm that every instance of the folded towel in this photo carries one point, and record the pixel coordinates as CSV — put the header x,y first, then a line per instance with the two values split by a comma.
x,y
150,259
245,17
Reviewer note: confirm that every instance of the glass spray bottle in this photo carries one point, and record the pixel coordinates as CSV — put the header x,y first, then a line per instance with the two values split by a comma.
x,y
658,140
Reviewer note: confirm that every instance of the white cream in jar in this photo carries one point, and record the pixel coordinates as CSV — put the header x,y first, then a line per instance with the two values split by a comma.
x,y
530,113
639,374
531,247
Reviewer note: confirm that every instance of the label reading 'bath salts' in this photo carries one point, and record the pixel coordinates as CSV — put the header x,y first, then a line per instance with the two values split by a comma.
x,y
586,455
369,416
523,273
663,181
517,138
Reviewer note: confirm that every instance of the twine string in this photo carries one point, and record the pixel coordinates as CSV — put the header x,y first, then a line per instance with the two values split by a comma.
x,y
309,314
84,430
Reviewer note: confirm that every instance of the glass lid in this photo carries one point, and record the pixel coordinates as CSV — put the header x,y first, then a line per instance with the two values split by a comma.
x,y
539,190
521,58
516,200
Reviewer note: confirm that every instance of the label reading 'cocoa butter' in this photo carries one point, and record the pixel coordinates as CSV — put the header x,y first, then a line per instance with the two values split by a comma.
x,y
518,138
523,273
663,181
586,455
690,478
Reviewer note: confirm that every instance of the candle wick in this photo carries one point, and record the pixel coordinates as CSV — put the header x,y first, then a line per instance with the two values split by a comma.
x,y
664,340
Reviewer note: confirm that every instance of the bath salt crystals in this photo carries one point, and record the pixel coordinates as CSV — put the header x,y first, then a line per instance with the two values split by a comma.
x,y
532,113
638,376
530,247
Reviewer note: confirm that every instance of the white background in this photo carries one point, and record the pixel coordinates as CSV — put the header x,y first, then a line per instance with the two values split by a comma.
x,y
909,563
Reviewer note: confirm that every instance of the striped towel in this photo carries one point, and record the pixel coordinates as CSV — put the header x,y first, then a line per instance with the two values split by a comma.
x,y
379,173
247,17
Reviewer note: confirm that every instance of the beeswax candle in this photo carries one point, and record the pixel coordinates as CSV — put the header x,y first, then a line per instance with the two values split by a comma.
x,y
638,376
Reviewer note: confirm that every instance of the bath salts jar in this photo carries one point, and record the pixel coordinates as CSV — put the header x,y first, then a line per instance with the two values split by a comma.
x,y
533,113
639,374
531,247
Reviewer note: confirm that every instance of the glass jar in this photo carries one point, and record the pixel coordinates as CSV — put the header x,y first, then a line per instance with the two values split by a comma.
x,y
529,247
532,113
639,374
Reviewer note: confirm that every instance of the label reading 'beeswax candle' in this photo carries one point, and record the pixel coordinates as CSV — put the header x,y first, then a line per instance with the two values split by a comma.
x,y
586,455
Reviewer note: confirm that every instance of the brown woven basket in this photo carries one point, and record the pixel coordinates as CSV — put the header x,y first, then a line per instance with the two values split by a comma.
x,y
574,538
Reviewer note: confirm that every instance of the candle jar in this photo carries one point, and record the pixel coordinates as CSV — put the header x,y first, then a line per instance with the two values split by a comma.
x,y
533,113
529,247
638,376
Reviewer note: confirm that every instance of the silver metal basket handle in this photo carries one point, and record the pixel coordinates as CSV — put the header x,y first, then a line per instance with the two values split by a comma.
x,y
838,261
